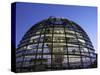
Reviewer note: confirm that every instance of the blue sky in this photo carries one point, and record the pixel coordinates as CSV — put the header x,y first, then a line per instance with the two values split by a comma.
x,y
28,14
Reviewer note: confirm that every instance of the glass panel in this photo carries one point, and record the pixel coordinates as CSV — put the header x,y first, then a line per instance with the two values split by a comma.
x,y
29,47
71,39
45,45
48,38
85,50
57,35
85,53
39,56
73,50
69,31
70,36
57,59
38,32
48,46
43,31
19,59
59,44
93,60
65,60
47,59
92,54
59,50
46,56
74,59
35,37
59,39
69,27
59,30
46,50
72,45
79,35
32,51
65,50
81,40
48,30
39,50
88,60
40,45
29,58
32,46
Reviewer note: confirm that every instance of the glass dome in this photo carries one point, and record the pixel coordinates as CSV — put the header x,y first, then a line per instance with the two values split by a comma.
x,y
54,44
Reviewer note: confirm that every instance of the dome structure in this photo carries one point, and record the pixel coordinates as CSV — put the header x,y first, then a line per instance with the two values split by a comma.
x,y
54,44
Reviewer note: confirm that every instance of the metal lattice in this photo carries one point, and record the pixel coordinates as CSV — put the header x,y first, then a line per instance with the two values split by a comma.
x,y
53,44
